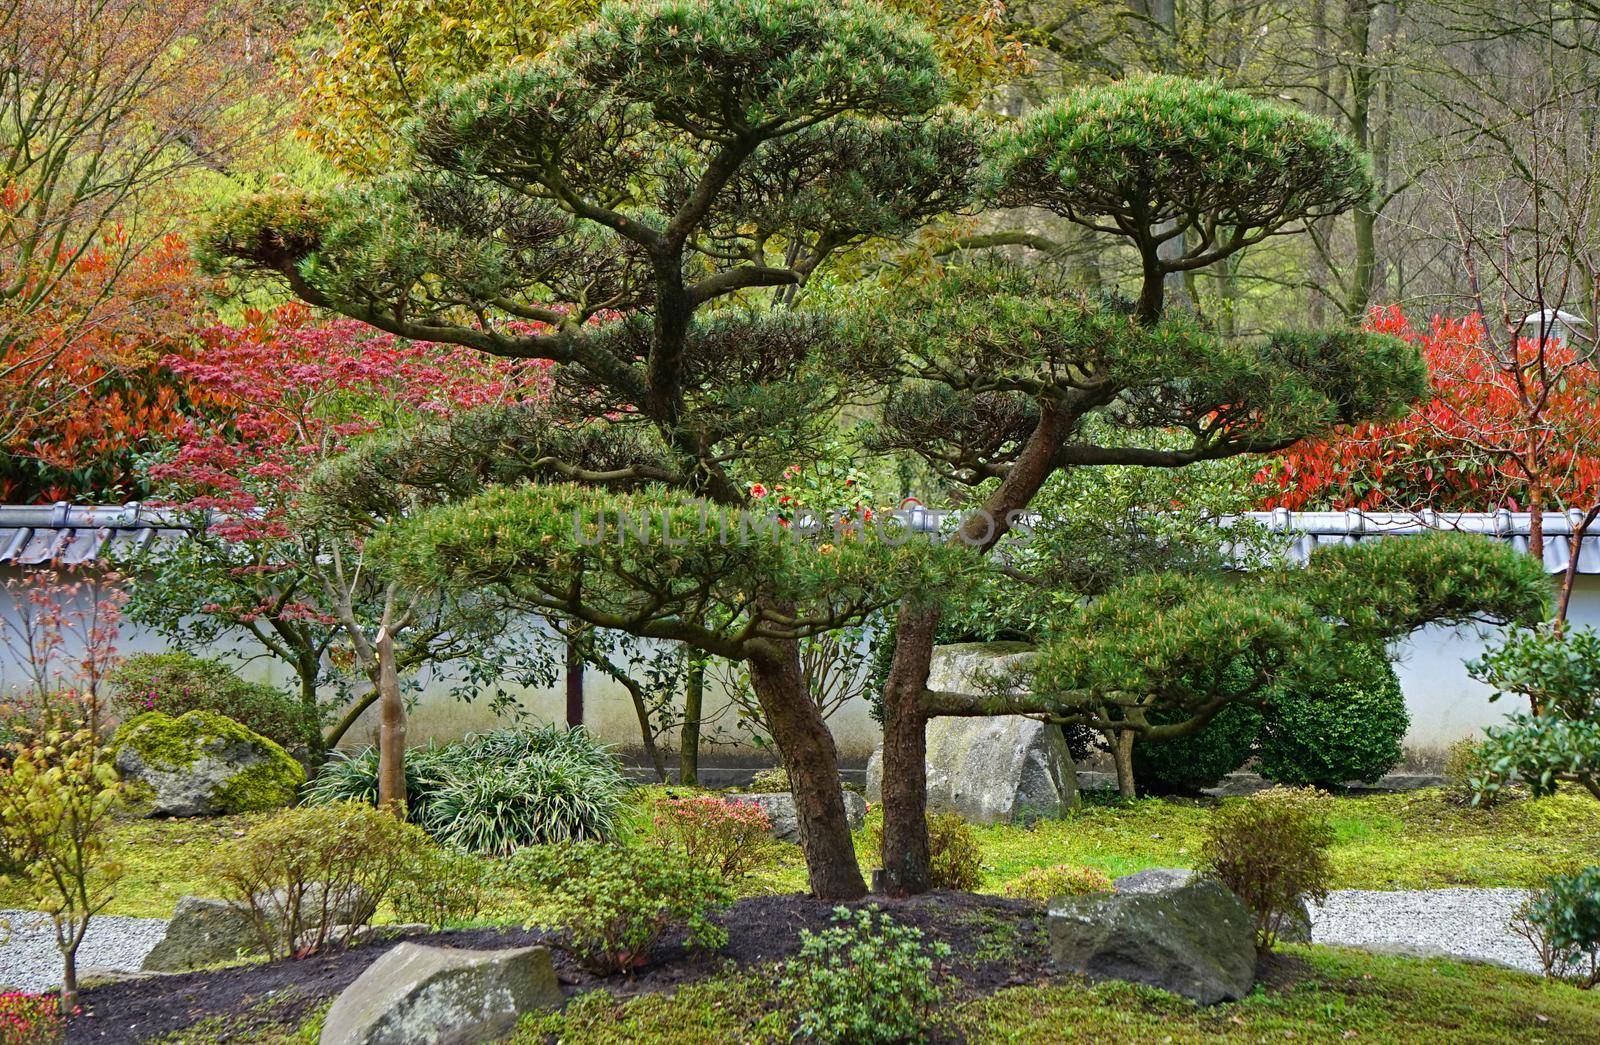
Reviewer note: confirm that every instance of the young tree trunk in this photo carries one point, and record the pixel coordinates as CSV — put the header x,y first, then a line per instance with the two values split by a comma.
x,y
694,693
1122,757
905,853
574,683
307,668
813,763
391,730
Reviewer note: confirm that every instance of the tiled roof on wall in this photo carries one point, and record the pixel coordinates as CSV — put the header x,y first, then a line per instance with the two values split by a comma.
x,y
71,534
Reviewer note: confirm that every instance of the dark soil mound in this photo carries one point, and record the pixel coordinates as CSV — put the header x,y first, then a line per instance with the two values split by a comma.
x,y
994,942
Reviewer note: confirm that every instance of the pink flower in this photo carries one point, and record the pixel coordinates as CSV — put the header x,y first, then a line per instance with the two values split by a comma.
x,y
757,491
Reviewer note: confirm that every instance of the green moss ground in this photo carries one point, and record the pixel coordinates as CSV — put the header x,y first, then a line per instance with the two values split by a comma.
x,y
1407,841
1340,996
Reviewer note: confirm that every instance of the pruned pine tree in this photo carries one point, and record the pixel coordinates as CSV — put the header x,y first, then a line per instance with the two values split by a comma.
x,y
1007,377
599,207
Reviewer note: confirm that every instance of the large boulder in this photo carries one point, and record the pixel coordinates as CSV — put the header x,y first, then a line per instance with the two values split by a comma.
x,y
786,824
203,764
1296,928
205,931
417,995
1197,939
996,770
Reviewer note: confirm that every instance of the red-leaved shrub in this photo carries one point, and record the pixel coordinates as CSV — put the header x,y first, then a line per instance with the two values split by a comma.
x,y
30,1019
727,838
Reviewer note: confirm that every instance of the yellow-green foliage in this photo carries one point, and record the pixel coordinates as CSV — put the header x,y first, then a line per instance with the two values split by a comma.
x,y
175,744
1043,884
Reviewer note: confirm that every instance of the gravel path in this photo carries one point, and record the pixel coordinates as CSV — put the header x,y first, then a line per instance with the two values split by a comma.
x,y
1462,923
29,960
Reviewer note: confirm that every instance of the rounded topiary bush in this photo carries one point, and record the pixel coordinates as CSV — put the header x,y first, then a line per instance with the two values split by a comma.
x,y
1201,759
1351,730
203,764
176,682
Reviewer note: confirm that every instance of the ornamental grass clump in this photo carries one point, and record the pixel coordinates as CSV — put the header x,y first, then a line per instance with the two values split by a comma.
x,y
1271,849
495,792
610,905
864,979
726,837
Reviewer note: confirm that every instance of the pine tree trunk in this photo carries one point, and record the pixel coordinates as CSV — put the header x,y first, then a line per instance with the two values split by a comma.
x,y
813,763
1122,755
694,691
391,730
905,853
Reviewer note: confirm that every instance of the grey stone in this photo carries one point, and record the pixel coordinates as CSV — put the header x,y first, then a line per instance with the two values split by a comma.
x,y
1295,929
785,822
206,931
203,931
416,995
225,767
995,770
1154,880
1197,940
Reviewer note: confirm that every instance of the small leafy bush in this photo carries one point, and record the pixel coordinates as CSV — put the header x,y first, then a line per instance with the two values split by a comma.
x,y
1463,762
1351,729
496,792
610,905
30,1019
312,870
955,859
441,886
864,979
1043,884
1561,919
727,837
174,683
774,781
1271,849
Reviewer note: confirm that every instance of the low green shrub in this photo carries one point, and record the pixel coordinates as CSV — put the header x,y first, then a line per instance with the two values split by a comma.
x,y
1464,761
864,979
609,905
175,682
1271,849
955,859
1043,884
1184,765
496,792
774,781
725,836
1353,729
441,887
1561,919
308,872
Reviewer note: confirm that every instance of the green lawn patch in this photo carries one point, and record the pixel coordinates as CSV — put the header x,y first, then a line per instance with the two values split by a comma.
x,y
1334,995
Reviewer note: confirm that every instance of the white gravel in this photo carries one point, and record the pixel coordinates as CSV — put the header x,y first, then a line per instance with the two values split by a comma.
x,y
30,962
1459,923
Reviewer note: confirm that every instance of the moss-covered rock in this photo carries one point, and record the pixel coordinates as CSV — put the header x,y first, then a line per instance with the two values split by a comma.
x,y
204,764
